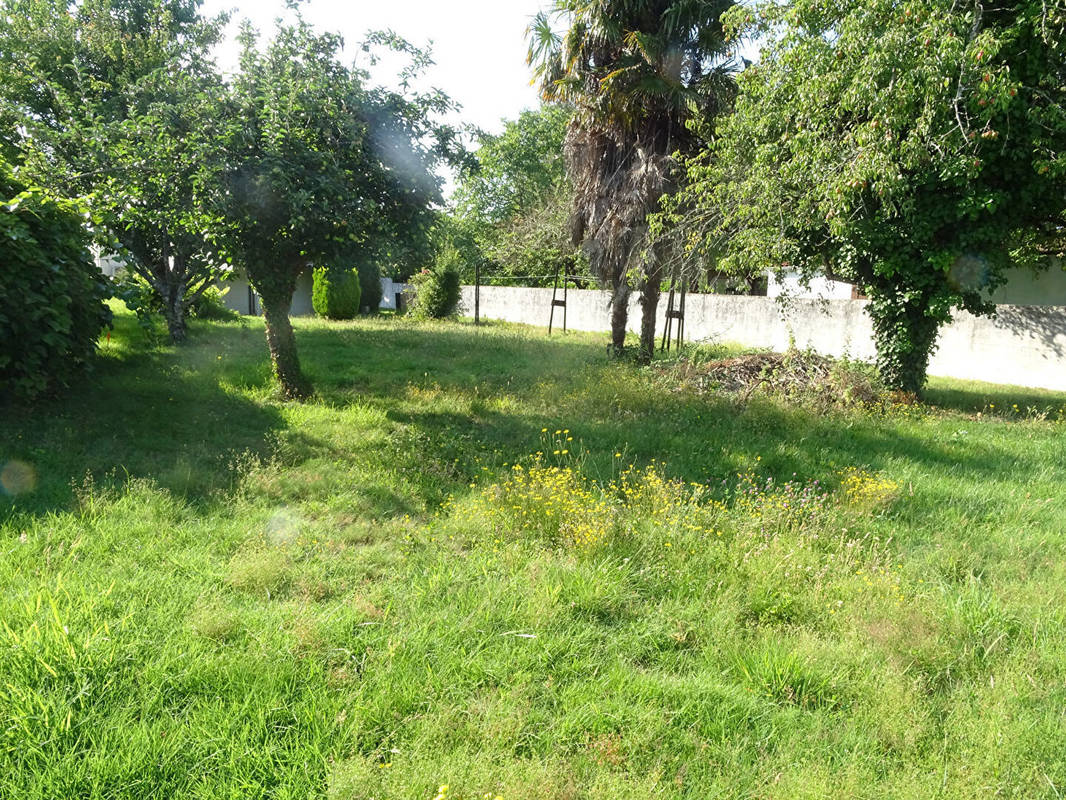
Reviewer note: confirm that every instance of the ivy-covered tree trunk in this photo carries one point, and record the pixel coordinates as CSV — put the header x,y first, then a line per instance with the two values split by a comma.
x,y
277,302
905,331
650,291
619,317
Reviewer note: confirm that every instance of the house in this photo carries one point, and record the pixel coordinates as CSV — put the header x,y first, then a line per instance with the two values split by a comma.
x,y
242,298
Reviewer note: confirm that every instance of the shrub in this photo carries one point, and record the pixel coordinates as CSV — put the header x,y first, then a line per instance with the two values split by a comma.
x,y
437,290
212,305
336,292
53,310
370,283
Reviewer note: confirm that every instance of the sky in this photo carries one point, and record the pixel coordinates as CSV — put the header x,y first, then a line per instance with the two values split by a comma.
x,y
479,45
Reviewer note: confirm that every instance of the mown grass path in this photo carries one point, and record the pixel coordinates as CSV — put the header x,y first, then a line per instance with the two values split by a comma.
x,y
212,594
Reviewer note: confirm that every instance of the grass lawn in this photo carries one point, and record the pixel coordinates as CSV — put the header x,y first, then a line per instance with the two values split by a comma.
x,y
211,594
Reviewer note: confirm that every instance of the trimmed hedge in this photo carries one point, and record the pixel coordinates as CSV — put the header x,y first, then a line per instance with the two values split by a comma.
x,y
437,290
336,293
53,309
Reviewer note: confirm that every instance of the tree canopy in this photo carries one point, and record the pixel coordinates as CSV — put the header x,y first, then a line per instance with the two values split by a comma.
x,y
117,101
516,169
322,166
636,72
510,208
913,148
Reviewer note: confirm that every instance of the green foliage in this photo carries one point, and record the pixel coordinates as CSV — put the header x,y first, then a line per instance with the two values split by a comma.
x,y
211,305
915,149
638,73
370,285
336,292
438,289
135,126
53,310
536,243
321,164
515,170
630,63
139,297
510,211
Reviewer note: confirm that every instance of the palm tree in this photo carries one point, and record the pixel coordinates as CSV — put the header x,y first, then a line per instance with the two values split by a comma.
x,y
637,71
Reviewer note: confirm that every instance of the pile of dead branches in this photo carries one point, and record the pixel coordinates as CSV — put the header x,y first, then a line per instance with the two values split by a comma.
x,y
798,375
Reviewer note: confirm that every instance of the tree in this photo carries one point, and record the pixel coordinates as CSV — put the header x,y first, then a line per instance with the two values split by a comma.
x,y
636,71
517,168
163,168
321,165
117,100
536,243
510,209
914,148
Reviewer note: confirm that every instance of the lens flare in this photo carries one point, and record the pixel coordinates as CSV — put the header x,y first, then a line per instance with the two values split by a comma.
x,y
283,527
970,272
17,477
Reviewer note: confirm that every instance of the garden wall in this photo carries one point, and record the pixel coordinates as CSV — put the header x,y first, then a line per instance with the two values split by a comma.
x,y
1023,345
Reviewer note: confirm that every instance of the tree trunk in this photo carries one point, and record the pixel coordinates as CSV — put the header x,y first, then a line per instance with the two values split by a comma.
x,y
619,317
282,343
649,301
905,333
174,312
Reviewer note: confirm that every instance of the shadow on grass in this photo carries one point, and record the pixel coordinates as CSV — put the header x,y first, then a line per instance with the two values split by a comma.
x,y
721,444
464,400
376,360
702,439
145,412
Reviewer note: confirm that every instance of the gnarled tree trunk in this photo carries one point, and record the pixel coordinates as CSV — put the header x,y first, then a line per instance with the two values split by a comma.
x,y
282,341
174,311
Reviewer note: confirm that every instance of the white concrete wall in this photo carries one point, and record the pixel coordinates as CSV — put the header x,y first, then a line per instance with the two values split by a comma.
x,y
1026,288
237,298
1023,345
107,263
1022,287
389,290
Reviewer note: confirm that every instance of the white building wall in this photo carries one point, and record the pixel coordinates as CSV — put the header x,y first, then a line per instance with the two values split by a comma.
x,y
238,299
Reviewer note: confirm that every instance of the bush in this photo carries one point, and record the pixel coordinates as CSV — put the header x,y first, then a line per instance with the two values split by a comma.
x,y
336,292
53,310
370,282
211,305
140,298
437,290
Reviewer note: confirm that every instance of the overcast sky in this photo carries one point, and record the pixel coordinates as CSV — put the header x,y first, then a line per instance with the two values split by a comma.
x,y
479,45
